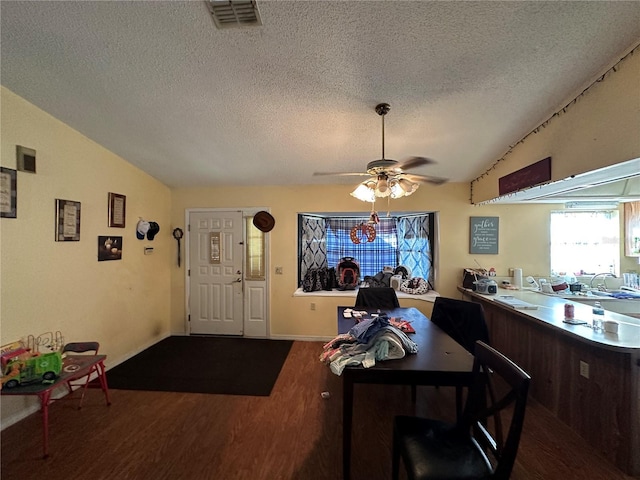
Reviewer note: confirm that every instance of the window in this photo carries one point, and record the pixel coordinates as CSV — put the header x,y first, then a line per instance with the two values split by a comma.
x,y
372,256
585,242
403,240
255,253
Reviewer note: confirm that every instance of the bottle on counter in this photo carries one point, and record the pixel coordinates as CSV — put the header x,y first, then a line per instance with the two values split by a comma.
x,y
598,317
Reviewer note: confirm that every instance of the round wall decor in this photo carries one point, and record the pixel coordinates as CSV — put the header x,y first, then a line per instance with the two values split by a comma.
x,y
361,232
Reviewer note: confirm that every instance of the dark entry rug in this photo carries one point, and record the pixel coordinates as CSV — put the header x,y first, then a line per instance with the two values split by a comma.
x,y
219,365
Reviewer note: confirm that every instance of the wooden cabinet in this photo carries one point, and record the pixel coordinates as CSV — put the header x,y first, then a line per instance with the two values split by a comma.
x,y
604,408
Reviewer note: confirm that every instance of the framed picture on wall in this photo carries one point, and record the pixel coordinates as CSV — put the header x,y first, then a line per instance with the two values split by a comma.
x,y
483,235
67,221
117,210
109,248
8,193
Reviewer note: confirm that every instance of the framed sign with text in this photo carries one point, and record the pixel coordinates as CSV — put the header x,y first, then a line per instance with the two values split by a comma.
x,y
8,193
67,221
117,210
529,176
483,235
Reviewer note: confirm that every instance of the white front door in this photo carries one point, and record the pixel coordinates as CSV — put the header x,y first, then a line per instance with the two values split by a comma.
x,y
216,272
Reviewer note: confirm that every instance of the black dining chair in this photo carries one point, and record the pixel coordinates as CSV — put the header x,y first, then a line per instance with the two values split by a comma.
x,y
465,323
462,320
480,445
377,297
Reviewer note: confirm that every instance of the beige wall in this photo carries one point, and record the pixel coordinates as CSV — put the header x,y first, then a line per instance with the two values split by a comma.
x,y
523,242
600,129
128,304
60,286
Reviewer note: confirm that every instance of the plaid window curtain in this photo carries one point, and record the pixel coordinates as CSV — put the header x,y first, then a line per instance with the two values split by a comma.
x,y
399,241
372,256
414,249
313,250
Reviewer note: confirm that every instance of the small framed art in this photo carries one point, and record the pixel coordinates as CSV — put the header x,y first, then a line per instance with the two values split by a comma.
x,y
483,235
109,248
117,210
67,221
8,192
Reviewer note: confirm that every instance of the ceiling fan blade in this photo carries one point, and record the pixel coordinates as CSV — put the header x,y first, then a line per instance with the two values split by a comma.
x,y
414,162
387,169
341,174
426,179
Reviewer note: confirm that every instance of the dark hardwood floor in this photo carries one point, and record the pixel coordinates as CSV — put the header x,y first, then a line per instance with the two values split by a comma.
x,y
293,434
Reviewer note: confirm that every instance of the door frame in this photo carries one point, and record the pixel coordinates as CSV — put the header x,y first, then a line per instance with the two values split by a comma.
x,y
246,212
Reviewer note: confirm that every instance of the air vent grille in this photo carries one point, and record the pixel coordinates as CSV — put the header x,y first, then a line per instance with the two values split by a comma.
x,y
234,13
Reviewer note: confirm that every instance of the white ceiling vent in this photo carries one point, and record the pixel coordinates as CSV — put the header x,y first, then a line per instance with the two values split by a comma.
x,y
234,13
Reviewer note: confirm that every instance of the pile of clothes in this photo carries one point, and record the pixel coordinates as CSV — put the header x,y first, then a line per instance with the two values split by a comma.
x,y
369,341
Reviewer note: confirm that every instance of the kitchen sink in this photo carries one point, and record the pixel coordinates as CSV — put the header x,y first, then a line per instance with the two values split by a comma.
x,y
627,305
622,294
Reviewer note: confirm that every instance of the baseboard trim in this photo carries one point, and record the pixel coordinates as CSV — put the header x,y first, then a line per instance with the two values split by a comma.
x,y
34,403
302,338
135,352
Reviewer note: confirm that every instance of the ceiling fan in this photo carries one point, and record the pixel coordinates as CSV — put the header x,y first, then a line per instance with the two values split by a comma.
x,y
389,177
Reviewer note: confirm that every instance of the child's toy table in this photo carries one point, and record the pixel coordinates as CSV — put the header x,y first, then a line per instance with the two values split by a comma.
x,y
74,366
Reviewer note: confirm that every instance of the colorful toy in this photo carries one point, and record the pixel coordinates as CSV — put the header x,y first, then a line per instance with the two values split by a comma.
x,y
22,366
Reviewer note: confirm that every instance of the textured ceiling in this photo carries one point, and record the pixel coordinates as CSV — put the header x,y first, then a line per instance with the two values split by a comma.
x,y
156,82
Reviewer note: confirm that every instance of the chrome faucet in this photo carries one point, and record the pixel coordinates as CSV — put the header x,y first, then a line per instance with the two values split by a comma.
x,y
604,275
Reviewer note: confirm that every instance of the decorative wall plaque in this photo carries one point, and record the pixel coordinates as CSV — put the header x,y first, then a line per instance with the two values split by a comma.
x,y
483,235
67,221
8,193
117,210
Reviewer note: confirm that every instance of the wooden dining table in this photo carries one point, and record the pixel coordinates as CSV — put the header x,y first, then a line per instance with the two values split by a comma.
x,y
440,360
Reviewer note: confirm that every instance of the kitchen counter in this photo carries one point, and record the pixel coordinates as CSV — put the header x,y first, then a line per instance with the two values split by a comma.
x,y
588,380
630,306
551,312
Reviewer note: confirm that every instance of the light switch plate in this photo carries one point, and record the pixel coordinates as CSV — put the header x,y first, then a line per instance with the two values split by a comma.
x,y
584,369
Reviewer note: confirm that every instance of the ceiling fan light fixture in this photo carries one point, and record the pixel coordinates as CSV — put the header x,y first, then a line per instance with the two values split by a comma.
x,y
365,192
388,178
407,186
396,190
402,188
382,187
